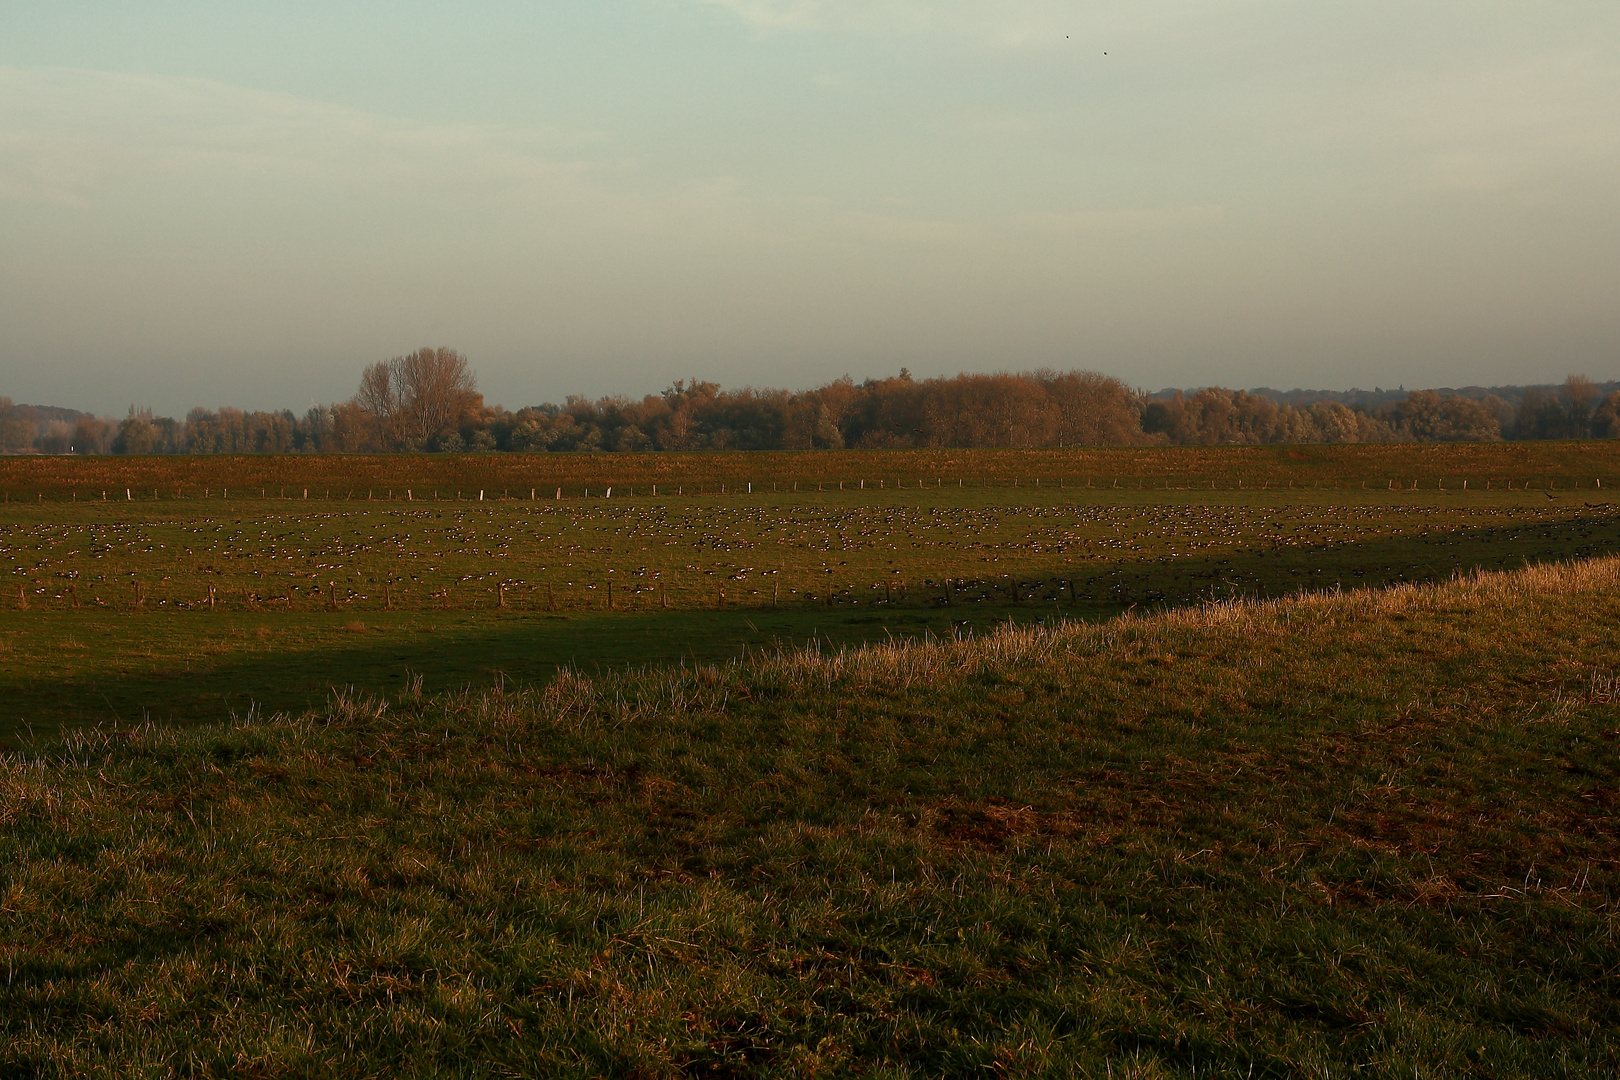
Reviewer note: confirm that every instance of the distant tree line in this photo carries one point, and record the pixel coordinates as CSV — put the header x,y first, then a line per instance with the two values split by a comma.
x,y
428,401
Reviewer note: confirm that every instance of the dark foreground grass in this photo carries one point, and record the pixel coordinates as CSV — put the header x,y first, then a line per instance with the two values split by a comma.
x,y
1371,834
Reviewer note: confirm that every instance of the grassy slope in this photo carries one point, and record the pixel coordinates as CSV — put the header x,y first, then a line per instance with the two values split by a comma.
x,y
1375,830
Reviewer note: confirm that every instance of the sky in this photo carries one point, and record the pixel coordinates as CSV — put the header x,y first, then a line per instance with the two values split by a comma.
x,y
232,204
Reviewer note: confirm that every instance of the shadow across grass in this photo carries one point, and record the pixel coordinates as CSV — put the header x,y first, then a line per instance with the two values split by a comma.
x,y
288,663
102,666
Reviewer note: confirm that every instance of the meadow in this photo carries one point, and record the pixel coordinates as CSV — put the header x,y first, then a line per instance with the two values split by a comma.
x,y
1163,762
1360,833
184,589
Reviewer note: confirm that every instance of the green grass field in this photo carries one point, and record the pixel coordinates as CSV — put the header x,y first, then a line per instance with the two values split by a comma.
x,y
209,600
1362,834
1311,776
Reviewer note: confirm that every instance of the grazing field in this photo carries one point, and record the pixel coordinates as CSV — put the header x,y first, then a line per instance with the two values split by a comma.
x,y
203,586
1372,833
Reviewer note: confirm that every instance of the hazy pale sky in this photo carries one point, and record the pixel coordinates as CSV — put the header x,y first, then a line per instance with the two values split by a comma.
x,y
206,204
